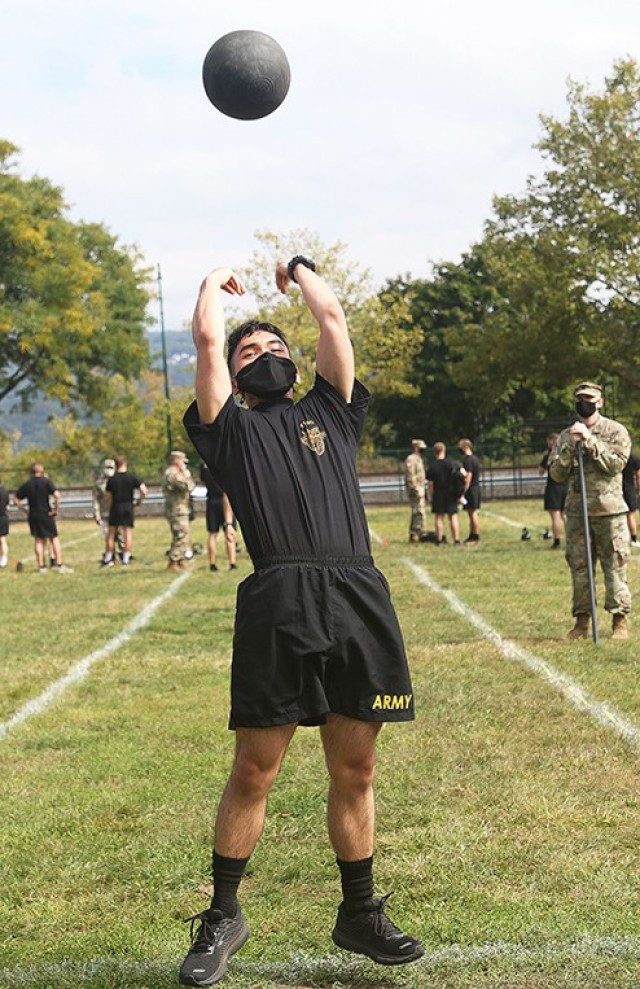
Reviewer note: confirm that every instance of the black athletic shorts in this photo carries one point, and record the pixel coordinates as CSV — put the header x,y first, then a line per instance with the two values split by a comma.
x,y
215,514
43,526
121,514
473,498
555,496
444,503
630,495
313,637
4,525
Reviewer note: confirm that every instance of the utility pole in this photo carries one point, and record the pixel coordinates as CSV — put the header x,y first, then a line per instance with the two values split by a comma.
x,y
165,371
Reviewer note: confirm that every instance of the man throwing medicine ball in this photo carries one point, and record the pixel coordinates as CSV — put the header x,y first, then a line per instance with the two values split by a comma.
x,y
316,639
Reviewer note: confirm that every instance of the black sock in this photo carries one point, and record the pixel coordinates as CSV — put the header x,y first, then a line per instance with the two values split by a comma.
x,y
357,884
227,874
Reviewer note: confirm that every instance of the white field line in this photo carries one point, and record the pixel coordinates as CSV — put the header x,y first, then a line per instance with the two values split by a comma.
x,y
80,670
301,968
573,692
508,521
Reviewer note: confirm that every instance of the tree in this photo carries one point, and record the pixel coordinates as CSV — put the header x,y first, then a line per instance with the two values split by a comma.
x,y
564,258
72,300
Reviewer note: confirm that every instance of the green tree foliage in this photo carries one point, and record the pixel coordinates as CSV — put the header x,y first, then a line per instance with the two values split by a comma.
x,y
72,300
564,259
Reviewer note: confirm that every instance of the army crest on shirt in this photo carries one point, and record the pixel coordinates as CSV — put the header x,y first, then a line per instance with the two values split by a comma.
x,y
312,436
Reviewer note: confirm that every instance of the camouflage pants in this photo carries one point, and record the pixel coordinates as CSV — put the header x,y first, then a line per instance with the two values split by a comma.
x,y
180,536
417,503
610,545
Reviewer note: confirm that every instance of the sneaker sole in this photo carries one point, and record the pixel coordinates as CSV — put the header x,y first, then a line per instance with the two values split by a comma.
x,y
221,971
344,941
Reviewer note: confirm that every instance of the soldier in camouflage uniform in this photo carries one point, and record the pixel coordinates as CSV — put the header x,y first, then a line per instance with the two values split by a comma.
x,y
177,486
414,479
606,445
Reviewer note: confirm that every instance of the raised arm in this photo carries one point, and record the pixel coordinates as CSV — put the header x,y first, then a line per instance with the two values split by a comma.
x,y
334,354
213,384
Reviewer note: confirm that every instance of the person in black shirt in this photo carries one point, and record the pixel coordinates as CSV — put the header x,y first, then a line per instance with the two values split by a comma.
x,y
441,495
40,492
218,516
119,492
471,498
630,492
316,638
555,494
4,526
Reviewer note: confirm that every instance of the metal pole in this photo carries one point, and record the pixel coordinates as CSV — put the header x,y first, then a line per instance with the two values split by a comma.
x,y
164,364
587,541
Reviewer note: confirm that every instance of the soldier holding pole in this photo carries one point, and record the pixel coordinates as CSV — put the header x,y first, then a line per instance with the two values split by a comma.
x,y
604,447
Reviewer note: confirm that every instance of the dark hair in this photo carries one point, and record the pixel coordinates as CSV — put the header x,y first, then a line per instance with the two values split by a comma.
x,y
245,330
120,461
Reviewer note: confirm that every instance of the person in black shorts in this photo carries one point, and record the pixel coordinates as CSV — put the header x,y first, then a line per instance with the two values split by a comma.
x,y
471,498
120,491
4,526
630,491
218,516
443,499
43,505
555,494
316,638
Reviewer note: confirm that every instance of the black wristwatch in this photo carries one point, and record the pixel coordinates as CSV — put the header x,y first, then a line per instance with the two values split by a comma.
x,y
293,264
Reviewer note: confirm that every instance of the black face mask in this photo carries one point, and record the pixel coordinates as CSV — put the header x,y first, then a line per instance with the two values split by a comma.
x,y
585,409
267,377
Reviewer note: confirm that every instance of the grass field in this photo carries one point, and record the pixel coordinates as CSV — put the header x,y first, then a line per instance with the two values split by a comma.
x,y
507,813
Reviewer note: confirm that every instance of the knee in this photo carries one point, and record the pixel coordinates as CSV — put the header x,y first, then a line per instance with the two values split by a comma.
x,y
354,774
251,777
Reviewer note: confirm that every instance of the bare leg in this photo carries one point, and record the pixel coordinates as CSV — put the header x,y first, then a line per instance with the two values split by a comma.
x,y
211,548
556,523
56,549
439,527
633,525
455,527
39,547
240,817
350,753
474,522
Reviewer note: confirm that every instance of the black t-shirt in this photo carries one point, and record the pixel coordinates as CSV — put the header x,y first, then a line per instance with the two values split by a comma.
x,y
439,472
630,468
289,471
37,490
122,485
472,466
214,491
4,500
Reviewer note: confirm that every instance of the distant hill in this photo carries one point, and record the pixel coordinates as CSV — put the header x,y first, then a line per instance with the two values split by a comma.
x,y
33,424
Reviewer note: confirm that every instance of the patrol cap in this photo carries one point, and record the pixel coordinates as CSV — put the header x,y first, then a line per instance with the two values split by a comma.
x,y
420,444
109,462
177,455
589,389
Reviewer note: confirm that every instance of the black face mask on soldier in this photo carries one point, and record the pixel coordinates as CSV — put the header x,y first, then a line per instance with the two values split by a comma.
x,y
268,376
585,409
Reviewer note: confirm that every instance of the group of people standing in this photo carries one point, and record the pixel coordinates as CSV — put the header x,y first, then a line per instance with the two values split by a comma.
x,y
448,485
117,490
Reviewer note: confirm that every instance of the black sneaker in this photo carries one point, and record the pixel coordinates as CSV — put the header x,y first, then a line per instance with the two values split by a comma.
x,y
371,933
217,938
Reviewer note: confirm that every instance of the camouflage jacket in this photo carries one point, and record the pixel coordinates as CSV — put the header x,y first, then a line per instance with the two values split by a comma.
x,y
414,475
605,454
99,498
177,485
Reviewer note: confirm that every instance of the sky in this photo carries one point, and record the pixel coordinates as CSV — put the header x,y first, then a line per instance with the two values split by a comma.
x,y
402,121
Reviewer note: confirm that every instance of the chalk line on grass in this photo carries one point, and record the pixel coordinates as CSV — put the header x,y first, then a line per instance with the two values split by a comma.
x,y
574,693
302,968
81,669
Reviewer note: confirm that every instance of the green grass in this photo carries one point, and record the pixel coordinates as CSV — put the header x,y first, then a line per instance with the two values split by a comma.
x,y
507,819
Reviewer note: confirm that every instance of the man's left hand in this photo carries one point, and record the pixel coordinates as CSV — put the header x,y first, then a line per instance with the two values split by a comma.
x,y
579,432
282,277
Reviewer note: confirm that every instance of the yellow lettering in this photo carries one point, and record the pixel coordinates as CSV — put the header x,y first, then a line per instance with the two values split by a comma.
x,y
407,699
377,704
396,702
387,702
